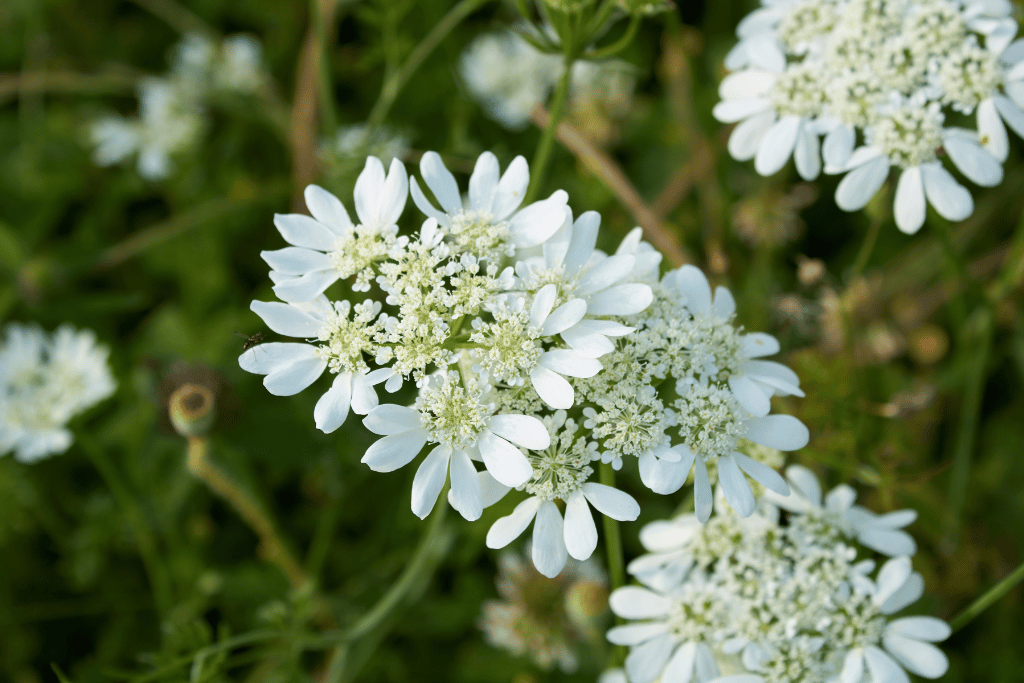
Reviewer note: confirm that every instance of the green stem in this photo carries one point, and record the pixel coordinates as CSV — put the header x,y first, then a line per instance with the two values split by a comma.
x,y
970,410
328,116
988,599
393,86
620,44
866,247
159,580
616,560
540,158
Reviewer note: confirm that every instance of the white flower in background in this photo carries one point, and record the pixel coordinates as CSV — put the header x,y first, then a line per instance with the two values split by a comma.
x,y
750,600
837,514
545,619
890,73
509,95
358,142
45,380
169,123
488,224
464,427
233,65
328,246
341,344
560,473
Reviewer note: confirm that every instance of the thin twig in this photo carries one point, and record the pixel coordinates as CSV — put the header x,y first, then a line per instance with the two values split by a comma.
x,y
988,599
611,174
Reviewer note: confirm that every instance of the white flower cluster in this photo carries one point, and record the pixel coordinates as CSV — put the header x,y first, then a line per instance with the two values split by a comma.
x,y
766,600
172,108
45,380
508,94
884,82
534,353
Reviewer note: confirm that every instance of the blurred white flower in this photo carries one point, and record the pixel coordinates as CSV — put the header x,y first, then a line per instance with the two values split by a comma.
x,y
45,380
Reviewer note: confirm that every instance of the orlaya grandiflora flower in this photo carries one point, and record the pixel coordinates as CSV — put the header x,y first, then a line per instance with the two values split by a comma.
x,y
561,472
328,246
459,420
290,367
907,137
604,283
489,221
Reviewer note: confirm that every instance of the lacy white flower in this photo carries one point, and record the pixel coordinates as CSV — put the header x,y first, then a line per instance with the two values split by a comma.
x,y
45,380
328,246
560,473
750,600
464,427
890,72
837,514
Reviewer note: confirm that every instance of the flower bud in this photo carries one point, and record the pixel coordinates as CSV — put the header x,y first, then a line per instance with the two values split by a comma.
x,y
193,410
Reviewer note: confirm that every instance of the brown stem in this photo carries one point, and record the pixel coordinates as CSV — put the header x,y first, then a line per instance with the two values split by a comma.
x,y
610,173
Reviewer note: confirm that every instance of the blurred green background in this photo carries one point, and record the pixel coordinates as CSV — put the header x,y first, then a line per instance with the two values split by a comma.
x,y
912,359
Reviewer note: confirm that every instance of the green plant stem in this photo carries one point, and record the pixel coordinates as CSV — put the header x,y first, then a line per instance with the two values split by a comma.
x,y
620,44
866,247
393,85
272,545
988,599
547,138
418,566
159,580
616,559
328,115
970,410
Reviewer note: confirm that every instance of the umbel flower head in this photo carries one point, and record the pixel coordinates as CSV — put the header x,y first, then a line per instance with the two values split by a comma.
x,y
45,380
533,352
868,87
757,600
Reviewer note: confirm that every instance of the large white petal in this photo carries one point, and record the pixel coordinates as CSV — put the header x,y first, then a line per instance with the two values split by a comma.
x,y
511,189
806,483
549,553
510,527
634,602
777,145
992,131
734,484
920,628
680,668
909,206
838,147
758,345
303,231
731,111
265,358
483,183
606,273
782,432
891,577
580,532
724,305
542,304
979,165
662,476
332,408
296,260
505,462
564,317
703,497
857,188
1010,112
853,667
646,662
746,137
430,478
552,388
388,419
887,541
538,221
745,83
285,319
586,342
627,299
923,659
611,502
883,669
290,379
584,239
634,634
393,196
569,363
807,153
467,494
391,452
369,186
522,430
424,205
327,209
305,287
763,474
364,397
750,396
441,182
950,198
909,593
776,375
693,285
